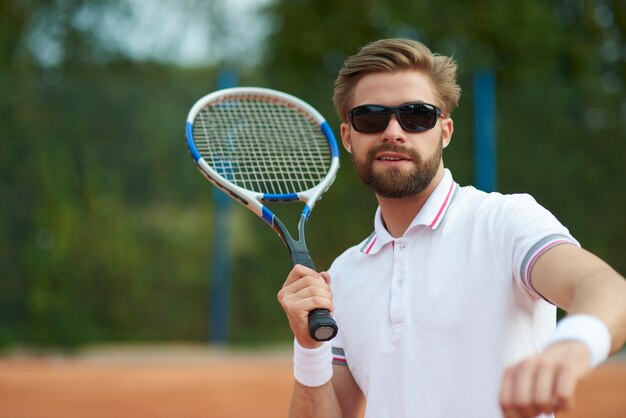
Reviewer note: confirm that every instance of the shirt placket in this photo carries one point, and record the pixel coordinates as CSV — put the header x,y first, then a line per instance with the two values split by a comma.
x,y
398,283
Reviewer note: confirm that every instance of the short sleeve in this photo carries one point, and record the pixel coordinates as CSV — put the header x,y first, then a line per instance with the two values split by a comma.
x,y
523,230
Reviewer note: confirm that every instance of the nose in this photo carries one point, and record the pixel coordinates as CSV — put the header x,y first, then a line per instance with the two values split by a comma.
x,y
393,132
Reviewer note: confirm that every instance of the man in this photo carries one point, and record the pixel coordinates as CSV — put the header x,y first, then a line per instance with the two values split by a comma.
x,y
448,308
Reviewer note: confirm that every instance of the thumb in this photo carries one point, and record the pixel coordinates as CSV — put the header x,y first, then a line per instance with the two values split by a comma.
x,y
325,276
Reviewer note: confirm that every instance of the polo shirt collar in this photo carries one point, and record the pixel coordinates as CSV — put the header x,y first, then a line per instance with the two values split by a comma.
x,y
431,215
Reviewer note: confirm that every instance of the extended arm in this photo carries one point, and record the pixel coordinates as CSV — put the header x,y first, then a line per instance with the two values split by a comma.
x,y
579,283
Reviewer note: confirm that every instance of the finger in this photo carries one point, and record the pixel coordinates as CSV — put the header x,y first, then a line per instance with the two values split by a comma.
x,y
545,387
305,282
305,271
506,394
297,272
318,294
566,381
523,388
298,312
317,302
506,389
305,298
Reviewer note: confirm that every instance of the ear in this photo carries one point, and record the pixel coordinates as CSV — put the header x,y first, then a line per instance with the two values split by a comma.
x,y
346,136
447,128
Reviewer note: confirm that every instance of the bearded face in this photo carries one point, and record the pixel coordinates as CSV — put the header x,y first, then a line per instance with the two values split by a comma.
x,y
398,183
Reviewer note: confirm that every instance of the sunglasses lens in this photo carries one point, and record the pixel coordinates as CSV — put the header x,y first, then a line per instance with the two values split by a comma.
x,y
418,117
370,119
415,117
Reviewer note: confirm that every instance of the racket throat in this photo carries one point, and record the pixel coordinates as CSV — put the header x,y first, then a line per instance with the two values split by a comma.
x,y
297,248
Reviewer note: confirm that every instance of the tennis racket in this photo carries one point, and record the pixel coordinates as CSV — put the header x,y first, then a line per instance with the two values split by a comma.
x,y
260,145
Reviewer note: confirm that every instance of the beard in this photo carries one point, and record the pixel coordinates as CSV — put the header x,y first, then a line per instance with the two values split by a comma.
x,y
395,183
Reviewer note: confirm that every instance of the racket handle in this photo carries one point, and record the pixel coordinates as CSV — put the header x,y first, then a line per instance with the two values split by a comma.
x,y
322,326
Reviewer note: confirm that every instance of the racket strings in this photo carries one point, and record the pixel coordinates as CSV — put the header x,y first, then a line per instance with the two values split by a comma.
x,y
261,145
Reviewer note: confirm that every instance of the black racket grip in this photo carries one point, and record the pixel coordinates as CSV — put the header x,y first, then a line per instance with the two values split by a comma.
x,y
322,326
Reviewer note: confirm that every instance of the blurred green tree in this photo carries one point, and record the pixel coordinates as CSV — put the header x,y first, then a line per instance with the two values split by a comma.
x,y
560,70
105,227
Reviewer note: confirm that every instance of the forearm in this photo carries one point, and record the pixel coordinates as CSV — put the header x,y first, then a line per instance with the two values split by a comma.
x,y
604,296
314,395
581,283
314,402
593,295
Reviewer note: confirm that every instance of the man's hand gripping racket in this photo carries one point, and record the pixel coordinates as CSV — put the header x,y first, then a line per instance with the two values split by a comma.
x,y
261,145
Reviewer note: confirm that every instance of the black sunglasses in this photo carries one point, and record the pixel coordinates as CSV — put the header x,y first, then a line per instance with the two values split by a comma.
x,y
413,117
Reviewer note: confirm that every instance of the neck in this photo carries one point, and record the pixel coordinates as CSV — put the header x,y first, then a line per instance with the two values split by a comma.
x,y
399,213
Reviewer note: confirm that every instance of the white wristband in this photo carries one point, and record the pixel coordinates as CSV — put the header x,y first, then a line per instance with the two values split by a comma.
x,y
312,367
588,330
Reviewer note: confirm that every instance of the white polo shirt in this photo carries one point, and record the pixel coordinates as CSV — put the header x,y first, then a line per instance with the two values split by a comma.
x,y
428,322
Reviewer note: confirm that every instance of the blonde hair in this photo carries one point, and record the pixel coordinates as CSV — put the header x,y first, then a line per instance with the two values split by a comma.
x,y
390,55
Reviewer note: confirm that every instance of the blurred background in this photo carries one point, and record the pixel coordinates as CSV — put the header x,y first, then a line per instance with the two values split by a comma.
x,y
107,231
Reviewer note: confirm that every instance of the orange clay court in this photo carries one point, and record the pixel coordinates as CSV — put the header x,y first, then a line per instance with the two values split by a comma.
x,y
190,382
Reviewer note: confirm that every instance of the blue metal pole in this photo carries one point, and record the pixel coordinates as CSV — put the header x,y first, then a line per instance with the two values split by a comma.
x,y
485,131
219,322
